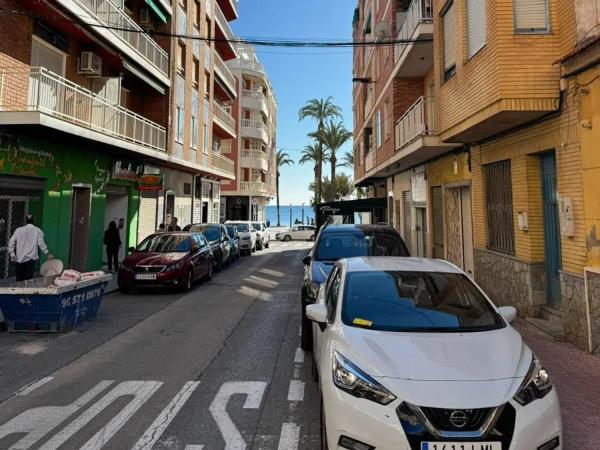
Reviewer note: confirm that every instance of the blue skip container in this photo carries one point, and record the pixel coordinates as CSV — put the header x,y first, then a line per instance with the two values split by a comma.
x,y
38,306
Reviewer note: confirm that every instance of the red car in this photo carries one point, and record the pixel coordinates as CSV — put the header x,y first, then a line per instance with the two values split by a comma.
x,y
167,260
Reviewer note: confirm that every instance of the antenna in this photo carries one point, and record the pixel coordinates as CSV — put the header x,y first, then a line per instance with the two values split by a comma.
x,y
382,30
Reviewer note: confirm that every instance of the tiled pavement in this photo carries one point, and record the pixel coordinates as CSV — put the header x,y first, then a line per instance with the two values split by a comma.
x,y
576,376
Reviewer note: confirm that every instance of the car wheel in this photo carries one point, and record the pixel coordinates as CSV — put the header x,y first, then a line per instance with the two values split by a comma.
x,y
306,339
188,281
219,264
267,245
287,238
228,263
324,445
253,249
124,289
312,238
210,272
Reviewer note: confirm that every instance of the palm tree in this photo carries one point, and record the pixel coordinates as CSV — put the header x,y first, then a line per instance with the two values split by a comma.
x,y
347,159
334,136
283,159
343,187
314,153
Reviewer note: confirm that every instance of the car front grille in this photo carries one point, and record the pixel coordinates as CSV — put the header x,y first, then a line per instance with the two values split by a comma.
x,y
445,419
148,269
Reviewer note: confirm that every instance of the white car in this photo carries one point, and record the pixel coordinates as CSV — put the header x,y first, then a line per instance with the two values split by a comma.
x,y
248,236
412,355
298,232
263,237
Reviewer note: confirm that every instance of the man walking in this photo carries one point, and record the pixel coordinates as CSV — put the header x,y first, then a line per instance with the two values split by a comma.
x,y
23,249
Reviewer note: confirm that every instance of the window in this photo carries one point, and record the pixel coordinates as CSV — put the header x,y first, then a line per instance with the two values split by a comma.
x,y
187,188
450,43
45,55
476,26
196,11
378,129
531,16
196,74
499,209
194,126
207,85
179,125
387,120
181,57
205,139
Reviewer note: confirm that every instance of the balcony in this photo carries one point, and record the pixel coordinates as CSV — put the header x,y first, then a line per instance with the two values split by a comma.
x,y
245,65
224,121
229,8
123,33
224,35
223,166
256,188
256,100
371,160
414,59
37,96
255,129
227,78
254,159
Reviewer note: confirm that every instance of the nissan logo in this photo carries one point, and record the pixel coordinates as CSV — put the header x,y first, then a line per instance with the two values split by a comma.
x,y
459,418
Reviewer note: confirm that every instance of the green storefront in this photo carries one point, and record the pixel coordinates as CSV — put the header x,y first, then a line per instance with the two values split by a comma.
x,y
73,192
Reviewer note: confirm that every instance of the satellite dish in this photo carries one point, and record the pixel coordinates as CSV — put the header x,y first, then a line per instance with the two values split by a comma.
x,y
382,30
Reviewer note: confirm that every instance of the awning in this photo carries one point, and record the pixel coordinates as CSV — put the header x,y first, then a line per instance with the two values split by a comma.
x,y
154,7
138,73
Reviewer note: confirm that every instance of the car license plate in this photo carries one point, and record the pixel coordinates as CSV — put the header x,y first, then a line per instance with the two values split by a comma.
x,y
145,276
461,446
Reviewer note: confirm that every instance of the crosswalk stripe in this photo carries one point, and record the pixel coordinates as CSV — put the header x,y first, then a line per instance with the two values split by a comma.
x,y
290,435
299,356
296,391
33,386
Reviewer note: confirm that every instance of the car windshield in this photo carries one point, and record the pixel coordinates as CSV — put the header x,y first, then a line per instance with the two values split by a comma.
x,y
165,243
334,246
231,232
211,233
256,226
417,302
242,227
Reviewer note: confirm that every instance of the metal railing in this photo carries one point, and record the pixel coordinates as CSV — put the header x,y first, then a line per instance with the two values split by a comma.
x,y
418,12
222,163
224,116
244,64
224,70
416,121
38,89
223,22
250,123
371,160
254,154
253,186
122,26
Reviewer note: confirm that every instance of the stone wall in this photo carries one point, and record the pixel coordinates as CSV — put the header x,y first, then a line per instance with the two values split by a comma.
x,y
573,308
594,299
511,282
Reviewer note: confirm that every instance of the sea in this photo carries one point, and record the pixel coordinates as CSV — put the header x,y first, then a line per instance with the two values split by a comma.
x,y
284,211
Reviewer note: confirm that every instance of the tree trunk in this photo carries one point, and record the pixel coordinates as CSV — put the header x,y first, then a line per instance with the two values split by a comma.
x,y
277,189
333,160
316,170
319,182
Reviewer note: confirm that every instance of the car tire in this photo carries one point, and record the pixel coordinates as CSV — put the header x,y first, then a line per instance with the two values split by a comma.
x,y
267,245
188,282
324,445
219,264
228,262
312,238
253,250
210,272
306,339
287,238
124,289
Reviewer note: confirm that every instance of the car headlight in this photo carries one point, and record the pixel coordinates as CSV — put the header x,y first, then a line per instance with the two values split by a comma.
x,y
354,381
536,384
173,267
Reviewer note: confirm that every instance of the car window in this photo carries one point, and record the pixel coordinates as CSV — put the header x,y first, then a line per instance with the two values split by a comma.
x,y
332,294
242,227
334,246
295,229
165,243
416,301
211,233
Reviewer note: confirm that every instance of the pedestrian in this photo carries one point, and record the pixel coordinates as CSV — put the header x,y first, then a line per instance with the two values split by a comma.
x,y
174,225
162,228
23,248
112,241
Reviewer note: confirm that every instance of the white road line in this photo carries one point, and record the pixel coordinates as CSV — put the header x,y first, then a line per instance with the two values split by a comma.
x,y
299,357
34,385
290,435
296,391
155,431
194,447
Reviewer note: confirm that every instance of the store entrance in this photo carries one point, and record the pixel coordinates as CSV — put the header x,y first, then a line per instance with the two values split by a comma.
x,y
117,206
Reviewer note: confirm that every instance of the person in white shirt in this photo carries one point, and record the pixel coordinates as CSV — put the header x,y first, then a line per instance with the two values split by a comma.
x,y
23,249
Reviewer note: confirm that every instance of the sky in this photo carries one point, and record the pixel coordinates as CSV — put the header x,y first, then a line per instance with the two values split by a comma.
x,y
298,75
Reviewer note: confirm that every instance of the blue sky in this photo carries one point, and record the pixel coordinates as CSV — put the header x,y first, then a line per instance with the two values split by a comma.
x,y
300,74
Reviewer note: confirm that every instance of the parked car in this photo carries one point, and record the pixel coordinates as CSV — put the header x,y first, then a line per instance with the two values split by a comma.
x,y
167,259
247,236
262,235
234,236
411,354
335,242
219,241
298,232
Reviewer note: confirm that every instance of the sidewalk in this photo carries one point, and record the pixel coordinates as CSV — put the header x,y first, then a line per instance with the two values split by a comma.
x,y
576,376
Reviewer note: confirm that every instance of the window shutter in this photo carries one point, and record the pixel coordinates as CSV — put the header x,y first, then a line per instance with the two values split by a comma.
x,y
450,41
476,26
531,15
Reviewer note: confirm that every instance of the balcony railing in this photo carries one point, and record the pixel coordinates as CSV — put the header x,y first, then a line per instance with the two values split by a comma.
x,y
416,121
253,186
250,123
225,72
371,160
222,163
418,12
40,90
244,64
122,26
223,22
224,116
254,154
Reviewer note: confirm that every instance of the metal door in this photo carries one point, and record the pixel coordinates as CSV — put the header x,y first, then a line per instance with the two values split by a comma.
x,y
80,227
551,230
12,216
467,230
407,226
438,222
421,231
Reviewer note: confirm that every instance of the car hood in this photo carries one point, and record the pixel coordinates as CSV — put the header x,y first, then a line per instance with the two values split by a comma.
x,y
320,271
153,259
483,368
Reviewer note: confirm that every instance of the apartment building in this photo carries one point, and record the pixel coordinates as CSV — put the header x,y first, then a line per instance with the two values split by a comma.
x,y
254,149
487,165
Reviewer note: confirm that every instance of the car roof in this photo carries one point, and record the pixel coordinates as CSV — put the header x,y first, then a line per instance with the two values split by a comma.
x,y
398,264
205,225
354,228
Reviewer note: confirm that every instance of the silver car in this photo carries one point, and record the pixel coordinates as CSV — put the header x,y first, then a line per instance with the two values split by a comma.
x,y
248,236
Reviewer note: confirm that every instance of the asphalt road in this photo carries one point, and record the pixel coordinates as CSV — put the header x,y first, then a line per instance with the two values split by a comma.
x,y
215,368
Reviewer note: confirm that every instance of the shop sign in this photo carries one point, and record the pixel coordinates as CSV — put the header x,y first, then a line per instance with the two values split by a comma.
x,y
418,184
151,182
127,171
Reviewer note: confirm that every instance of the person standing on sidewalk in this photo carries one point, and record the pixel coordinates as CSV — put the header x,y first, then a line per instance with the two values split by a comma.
x,y
112,241
23,249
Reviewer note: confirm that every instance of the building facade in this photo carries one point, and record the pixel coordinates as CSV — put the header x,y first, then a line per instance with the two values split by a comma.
x,y
487,168
254,148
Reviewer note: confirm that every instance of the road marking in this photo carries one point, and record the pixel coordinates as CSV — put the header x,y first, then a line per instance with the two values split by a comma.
x,y
290,435
155,431
33,386
254,391
141,392
296,391
296,373
299,356
37,422
194,447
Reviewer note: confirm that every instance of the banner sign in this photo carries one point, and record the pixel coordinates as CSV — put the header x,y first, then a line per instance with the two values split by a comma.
x,y
127,170
151,182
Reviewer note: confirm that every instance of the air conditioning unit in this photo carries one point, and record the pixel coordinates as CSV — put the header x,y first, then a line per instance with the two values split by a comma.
x,y
90,64
145,18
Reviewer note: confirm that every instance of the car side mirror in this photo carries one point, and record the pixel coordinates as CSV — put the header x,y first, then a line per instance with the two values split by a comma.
x,y
317,313
131,249
306,260
508,312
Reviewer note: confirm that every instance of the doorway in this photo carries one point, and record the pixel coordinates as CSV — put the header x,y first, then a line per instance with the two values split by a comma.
x,y
421,231
459,228
117,206
551,230
80,227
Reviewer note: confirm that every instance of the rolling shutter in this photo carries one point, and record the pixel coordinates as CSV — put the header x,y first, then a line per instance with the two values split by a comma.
x,y
531,15
476,26
147,215
450,38
438,223
407,200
